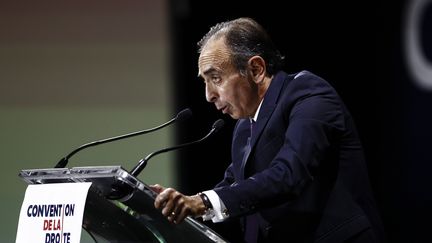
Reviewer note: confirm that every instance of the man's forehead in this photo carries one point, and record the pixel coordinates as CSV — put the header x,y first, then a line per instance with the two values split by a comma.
x,y
213,58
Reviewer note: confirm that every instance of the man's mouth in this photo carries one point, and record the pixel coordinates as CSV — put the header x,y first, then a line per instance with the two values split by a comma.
x,y
224,109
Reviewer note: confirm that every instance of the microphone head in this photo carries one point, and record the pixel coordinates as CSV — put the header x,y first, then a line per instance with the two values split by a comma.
x,y
184,115
218,125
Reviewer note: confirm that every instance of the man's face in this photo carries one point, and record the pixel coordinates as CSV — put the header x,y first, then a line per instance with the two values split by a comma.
x,y
231,92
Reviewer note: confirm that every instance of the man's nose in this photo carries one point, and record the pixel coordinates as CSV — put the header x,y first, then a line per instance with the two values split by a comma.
x,y
211,94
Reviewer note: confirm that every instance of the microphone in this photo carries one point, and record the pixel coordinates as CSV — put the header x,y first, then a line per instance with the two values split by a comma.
x,y
181,116
123,191
143,162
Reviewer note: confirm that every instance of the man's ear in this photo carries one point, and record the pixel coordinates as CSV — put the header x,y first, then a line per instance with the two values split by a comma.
x,y
257,67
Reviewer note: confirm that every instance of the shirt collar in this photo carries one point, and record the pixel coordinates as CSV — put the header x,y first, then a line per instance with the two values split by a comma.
x,y
255,117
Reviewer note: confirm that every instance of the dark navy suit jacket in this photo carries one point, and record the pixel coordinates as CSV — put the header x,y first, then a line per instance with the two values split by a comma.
x,y
305,176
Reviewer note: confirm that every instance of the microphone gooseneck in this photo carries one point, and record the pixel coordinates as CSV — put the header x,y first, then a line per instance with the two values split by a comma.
x,y
181,116
143,162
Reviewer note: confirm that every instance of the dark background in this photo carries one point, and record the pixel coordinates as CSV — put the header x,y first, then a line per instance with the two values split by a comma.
x,y
358,48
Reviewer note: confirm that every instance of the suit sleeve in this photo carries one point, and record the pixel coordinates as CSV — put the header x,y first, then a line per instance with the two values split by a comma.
x,y
228,177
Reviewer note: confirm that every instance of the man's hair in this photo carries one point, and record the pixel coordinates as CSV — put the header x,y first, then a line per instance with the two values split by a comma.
x,y
246,38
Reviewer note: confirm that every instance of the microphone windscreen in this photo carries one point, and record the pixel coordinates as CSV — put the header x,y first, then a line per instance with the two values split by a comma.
x,y
218,124
184,114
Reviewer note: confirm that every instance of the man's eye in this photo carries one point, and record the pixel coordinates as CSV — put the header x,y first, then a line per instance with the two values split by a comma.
x,y
216,79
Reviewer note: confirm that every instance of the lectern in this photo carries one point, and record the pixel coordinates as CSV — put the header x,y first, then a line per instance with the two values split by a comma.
x,y
119,207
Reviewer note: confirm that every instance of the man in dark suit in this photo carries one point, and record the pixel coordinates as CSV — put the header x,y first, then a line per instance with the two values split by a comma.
x,y
298,172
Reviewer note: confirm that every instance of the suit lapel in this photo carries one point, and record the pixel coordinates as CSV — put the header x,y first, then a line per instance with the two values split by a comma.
x,y
269,104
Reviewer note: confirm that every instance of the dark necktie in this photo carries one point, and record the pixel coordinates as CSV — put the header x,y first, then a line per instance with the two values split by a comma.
x,y
251,227
252,123
247,147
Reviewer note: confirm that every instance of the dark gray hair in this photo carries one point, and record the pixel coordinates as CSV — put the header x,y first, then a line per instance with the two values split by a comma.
x,y
246,38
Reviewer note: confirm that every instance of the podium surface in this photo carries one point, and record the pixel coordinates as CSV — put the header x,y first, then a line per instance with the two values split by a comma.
x,y
119,207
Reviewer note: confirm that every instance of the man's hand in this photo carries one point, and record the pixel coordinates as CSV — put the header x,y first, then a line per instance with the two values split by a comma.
x,y
176,206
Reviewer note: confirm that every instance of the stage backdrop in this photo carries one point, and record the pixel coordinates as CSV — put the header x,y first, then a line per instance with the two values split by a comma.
x,y
78,71
377,54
